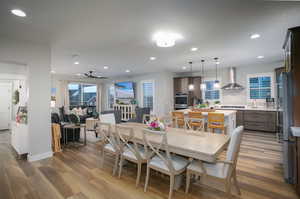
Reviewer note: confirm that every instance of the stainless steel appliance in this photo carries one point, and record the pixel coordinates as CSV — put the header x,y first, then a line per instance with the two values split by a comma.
x,y
232,85
181,101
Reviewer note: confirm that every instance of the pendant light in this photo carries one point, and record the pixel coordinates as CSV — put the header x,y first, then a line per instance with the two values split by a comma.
x,y
191,85
202,85
217,82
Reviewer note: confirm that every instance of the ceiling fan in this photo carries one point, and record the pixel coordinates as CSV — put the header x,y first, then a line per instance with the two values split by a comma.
x,y
91,74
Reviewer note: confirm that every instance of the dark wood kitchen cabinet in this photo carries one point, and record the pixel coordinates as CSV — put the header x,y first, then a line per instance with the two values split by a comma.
x,y
260,120
181,86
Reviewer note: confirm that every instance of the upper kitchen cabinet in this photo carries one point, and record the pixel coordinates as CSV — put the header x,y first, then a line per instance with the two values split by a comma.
x,y
181,85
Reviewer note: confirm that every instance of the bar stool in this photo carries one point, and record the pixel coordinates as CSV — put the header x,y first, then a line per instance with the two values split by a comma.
x,y
195,120
216,121
178,119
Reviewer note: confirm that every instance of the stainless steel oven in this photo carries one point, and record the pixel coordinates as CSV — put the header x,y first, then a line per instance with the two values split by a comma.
x,y
181,101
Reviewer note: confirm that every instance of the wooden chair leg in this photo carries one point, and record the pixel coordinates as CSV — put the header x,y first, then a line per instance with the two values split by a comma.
x,y
102,158
228,188
120,166
116,164
172,182
138,174
236,184
188,182
147,179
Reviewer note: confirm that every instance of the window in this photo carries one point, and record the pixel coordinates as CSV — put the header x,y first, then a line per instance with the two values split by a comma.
x,y
260,86
82,94
111,96
148,94
211,93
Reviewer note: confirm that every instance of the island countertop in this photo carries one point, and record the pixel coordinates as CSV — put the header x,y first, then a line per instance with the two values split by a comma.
x,y
226,112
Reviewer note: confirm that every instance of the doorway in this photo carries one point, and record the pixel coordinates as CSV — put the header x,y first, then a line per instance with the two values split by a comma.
x,y
5,105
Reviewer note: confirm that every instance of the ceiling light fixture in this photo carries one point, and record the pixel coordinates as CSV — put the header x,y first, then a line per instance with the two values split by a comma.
x,y
105,67
52,71
202,85
127,71
152,58
76,63
18,12
260,57
194,49
255,36
166,39
184,67
79,74
191,85
217,82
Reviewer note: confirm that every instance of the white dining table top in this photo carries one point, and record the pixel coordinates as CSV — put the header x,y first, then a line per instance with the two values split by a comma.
x,y
204,146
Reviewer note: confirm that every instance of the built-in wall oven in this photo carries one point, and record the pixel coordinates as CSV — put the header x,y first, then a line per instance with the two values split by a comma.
x,y
181,101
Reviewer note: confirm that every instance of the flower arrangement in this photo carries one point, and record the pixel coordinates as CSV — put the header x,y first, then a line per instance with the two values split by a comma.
x,y
156,125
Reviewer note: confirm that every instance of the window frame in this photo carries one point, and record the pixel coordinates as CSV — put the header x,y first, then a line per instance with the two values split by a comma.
x,y
107,93
142,92
81,94
270,74
220,90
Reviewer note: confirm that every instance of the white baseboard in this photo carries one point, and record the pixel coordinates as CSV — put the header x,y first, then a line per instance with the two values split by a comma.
x,y
32,158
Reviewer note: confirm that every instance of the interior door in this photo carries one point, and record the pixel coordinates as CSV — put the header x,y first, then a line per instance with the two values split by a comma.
x,y
5,105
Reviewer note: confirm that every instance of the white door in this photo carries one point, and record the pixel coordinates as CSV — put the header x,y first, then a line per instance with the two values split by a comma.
x,y
5,105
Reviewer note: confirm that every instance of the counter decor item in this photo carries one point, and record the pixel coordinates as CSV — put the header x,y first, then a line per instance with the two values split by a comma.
x,y
156,125
21,116
16,97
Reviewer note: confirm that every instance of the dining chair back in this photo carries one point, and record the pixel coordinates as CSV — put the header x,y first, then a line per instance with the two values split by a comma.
x,y
216,121
167,121
126,135
159,137
195,120
110,143
178,118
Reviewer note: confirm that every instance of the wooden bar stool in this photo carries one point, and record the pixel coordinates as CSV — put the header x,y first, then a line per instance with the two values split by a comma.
x,y
178,119
216,121
195,120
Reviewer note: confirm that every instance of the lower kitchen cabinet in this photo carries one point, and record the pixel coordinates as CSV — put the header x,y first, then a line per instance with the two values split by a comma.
x,y
257,120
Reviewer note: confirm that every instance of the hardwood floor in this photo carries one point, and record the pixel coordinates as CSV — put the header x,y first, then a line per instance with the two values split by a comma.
x,y
75,174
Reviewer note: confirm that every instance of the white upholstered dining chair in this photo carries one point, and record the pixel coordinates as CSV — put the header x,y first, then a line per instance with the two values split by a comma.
x,y
163,162
131,151
224,170
110,143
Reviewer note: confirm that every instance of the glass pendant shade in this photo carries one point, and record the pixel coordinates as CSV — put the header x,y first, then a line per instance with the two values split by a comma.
x,y
191,87
217,84
203,86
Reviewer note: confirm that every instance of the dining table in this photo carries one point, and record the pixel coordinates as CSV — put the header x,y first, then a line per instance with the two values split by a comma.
x,y
199,145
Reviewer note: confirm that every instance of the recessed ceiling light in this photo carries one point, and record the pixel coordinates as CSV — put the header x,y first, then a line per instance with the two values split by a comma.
x,y
152,58
18,12
194,49
127,71
79,74
52,71
217,62
76,63
184,67
105,67
255,36
166,39
260,57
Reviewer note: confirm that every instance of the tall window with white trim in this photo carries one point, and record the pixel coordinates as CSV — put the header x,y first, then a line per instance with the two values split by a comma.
x,y
260,86
111,96
148,93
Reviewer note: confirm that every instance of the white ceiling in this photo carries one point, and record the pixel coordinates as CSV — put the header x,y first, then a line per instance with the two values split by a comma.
x,y
117,33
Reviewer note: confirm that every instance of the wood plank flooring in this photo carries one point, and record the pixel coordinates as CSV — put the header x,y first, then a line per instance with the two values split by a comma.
x,y
76,174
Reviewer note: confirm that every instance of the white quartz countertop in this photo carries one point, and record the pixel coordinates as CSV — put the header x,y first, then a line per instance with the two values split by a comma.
x,y
295,131
226,112
252,109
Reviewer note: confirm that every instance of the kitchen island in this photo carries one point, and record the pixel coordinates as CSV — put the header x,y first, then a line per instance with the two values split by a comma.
x,y
230,118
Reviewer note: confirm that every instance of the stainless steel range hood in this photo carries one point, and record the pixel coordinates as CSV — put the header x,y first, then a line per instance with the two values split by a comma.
x,y
232,85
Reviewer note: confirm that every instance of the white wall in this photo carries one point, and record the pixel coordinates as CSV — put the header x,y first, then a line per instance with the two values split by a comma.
x,y
37,59
163,100
238,97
